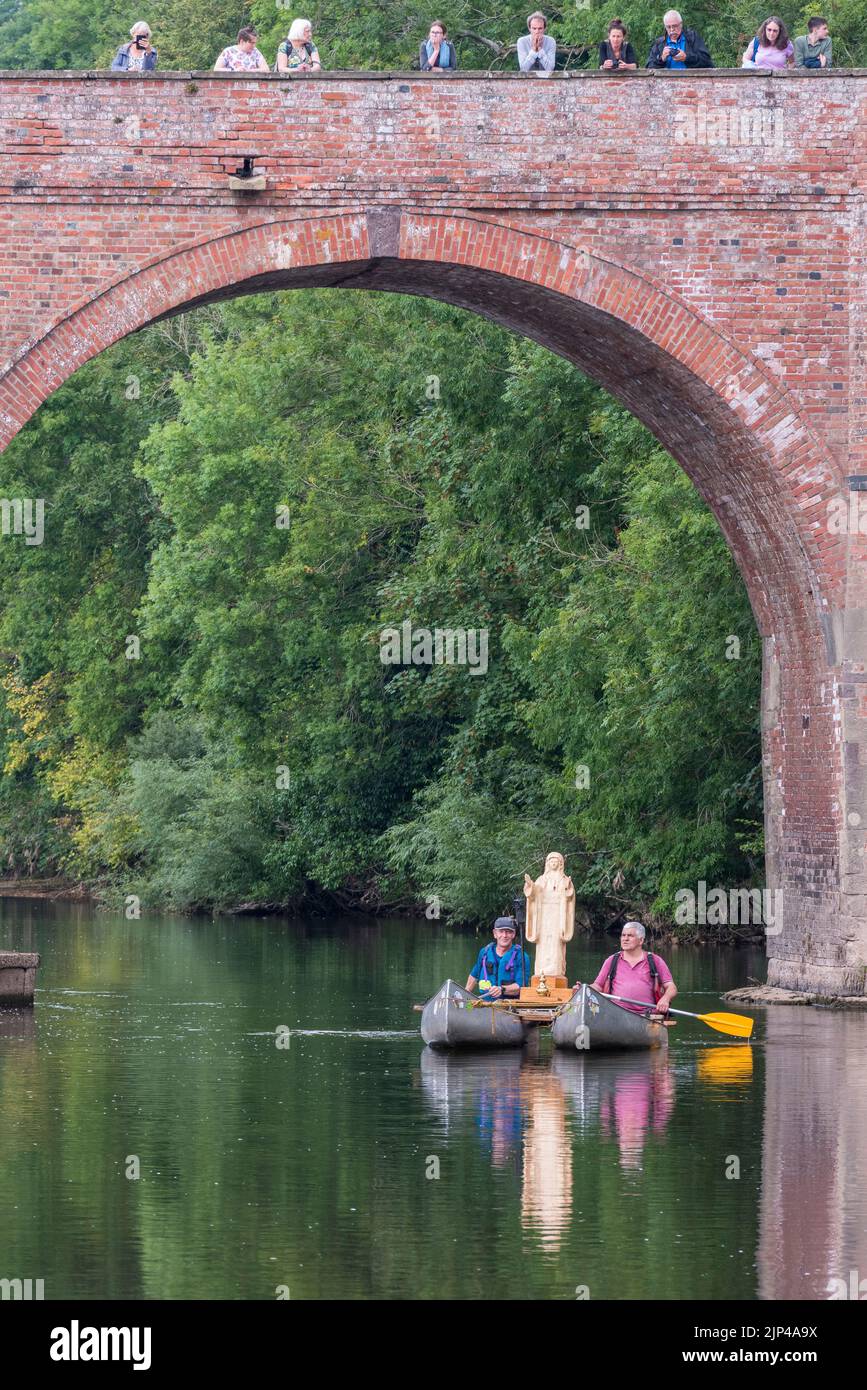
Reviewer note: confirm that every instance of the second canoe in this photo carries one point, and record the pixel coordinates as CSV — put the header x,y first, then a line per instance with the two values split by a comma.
x,y
592,1023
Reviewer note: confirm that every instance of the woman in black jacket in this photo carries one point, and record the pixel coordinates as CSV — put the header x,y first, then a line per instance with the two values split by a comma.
x,y
615,52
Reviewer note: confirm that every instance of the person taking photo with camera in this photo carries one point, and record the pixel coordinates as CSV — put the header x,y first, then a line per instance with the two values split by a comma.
x,y
139,55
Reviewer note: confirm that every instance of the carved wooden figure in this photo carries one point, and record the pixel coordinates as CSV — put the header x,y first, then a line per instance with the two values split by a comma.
x,y
550,917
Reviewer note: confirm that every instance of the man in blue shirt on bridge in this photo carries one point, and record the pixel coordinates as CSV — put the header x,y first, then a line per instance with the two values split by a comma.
x,y
501,967
678,48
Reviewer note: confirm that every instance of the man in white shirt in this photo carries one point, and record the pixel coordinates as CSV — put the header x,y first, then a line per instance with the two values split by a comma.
x,y
537,51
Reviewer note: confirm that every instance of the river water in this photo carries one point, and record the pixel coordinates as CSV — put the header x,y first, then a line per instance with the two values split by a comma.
x,y
267,1082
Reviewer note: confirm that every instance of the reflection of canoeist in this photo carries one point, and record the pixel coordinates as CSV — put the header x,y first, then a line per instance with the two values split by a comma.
x,y
633,973
501,967
640,1100
628,1094
487,1087
500,1116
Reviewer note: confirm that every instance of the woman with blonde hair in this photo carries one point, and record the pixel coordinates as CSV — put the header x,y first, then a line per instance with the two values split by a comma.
x,y
298,53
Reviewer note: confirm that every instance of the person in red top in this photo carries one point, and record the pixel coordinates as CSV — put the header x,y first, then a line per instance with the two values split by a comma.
x,y
632,974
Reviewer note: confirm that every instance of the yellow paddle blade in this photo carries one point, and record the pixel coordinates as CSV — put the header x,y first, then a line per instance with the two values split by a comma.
x,y
738,1025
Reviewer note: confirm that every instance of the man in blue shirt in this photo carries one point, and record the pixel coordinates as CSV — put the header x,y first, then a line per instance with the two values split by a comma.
x,y
501,967
678,48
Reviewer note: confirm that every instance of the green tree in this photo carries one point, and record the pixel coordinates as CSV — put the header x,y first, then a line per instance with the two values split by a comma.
x,y
294,474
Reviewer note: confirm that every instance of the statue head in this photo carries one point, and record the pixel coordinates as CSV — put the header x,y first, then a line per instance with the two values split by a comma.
x,y
555,864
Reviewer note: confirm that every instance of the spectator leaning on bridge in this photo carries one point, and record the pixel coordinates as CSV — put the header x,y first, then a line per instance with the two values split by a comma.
x,y
771,48
813,49
140,55
298,53
615,52
243,56
437,53
537,51
678,47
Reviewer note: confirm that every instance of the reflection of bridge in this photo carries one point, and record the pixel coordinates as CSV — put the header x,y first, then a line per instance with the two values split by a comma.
x,y
814,1156
716,291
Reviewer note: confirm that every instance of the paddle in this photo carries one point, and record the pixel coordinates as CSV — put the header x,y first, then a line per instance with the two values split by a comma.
x,y
484,1001
738,1025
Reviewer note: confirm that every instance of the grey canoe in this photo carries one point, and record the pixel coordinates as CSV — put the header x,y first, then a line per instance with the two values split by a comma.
x,y
592,1023
454,1018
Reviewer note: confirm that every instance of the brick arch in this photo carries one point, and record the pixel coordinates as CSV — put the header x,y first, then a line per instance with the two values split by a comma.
x,y
714,406
733,427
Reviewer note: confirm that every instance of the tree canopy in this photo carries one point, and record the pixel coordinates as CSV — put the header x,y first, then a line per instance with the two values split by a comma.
x,y
238,503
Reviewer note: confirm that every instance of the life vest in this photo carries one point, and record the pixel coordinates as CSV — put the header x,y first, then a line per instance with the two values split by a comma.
x,y
494,967
655,985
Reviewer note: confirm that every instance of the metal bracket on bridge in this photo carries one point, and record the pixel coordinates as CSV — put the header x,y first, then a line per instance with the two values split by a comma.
x,y
245,179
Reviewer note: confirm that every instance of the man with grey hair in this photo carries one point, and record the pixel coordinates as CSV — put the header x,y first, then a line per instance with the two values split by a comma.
x,y
636,974
537,51
678,48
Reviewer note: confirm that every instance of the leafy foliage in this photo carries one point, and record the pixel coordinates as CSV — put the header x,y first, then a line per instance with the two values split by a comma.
x,y
292,474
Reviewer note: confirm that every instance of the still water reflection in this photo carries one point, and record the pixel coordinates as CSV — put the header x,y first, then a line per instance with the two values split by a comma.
x,y
357,1163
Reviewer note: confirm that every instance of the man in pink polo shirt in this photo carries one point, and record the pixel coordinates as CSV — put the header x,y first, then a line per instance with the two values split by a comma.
x,y
633,973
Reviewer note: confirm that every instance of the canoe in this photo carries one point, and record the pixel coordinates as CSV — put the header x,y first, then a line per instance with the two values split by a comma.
x,y
592,1023
454,1018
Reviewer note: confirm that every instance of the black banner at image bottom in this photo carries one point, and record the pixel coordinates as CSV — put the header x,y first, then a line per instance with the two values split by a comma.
x,y
160,1338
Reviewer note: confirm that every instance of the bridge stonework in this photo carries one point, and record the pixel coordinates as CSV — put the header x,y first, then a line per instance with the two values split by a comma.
x,y
693,242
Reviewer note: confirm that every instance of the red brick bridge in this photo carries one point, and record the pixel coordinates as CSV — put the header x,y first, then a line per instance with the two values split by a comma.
x,y
694,242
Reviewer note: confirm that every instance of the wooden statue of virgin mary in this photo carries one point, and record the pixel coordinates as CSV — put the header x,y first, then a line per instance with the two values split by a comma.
x,y
550,916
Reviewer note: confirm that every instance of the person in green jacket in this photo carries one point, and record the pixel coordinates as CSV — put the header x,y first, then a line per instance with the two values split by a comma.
x,y
813,49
